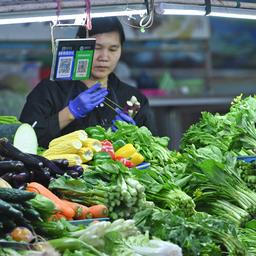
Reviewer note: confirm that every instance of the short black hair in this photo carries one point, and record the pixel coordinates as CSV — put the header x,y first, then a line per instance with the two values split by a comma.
x,y
103,25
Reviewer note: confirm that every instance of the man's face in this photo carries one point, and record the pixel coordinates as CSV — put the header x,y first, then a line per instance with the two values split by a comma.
x,y
106,56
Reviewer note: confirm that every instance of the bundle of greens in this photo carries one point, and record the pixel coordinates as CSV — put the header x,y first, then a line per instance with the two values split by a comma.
x,y
161,189
216,186
109,183
247,237
242,114
200,234
122,237
98,234
247,172
235,131
55,229
210,130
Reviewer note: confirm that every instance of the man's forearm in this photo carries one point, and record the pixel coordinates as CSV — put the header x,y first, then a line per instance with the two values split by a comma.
x,y
65,117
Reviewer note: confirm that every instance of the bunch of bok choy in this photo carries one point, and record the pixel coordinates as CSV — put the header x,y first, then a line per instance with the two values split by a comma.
x,y
161,189
109,183
216,187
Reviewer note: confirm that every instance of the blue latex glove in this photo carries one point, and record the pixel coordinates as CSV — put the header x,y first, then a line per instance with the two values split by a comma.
x,y
86,101
121,116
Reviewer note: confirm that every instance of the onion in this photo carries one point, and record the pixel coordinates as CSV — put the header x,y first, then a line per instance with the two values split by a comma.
x,y
22,234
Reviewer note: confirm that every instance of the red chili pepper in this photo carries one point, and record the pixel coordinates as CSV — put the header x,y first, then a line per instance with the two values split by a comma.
x,y
125,161
108,147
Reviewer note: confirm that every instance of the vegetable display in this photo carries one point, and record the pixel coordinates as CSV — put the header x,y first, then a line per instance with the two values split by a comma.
x,y
9,120
247,172
199,200
109,183
19,168
60,206
15,212
200,234
22,136
121,237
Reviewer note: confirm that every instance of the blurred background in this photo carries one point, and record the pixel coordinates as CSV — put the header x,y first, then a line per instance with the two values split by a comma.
x,y
183,64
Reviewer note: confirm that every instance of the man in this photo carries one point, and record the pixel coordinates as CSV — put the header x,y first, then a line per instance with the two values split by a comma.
x,y
60,107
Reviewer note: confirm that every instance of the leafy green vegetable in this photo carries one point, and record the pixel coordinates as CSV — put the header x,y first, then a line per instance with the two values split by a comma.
x,y
161,189
233,131
200,234
247,237
109,183
9,120
154,149
247,172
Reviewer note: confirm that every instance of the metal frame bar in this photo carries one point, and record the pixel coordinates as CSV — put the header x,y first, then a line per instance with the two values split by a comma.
x,y
10,6
219,3
16,6
11,9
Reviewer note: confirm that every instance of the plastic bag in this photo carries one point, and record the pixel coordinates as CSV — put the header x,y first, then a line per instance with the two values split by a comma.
x,y
158,248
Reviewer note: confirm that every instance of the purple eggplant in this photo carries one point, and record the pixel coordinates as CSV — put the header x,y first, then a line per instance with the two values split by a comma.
x,y
42,176
8,150
61,163
11,165
19,179
75,168
73,174
53,168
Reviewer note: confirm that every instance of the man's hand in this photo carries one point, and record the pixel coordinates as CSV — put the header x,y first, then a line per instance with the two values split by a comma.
x,y
86,101
121,116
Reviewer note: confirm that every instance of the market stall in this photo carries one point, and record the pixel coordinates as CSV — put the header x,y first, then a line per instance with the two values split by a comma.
x,y
123,191
202,198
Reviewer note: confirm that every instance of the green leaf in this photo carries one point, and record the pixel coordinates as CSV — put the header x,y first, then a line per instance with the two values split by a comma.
x,y
112,239
251,224
214,171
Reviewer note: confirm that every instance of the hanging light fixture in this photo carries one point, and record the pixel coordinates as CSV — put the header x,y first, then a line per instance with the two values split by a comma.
x,y
199,10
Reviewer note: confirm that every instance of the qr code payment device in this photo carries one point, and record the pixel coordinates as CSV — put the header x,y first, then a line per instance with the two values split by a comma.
x,y
72,59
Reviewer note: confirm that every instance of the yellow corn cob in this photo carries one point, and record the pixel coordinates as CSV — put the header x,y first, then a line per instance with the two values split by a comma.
x,y
73,159
78,135
66,147
85,153
136,158
93,144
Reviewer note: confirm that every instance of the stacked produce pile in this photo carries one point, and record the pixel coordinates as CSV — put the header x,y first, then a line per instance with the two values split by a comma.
x,y
18,167
15,209
109,184
218,181
202,198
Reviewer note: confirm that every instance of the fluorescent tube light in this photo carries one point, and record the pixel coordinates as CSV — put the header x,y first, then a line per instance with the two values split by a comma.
x,y
127,12
175,9
226,12
19,20
235,13
40,17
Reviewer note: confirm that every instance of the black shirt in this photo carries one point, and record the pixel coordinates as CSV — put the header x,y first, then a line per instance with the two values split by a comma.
x,y
49,97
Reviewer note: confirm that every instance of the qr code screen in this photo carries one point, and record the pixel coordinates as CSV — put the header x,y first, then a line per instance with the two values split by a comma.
x,y
82,66
64,67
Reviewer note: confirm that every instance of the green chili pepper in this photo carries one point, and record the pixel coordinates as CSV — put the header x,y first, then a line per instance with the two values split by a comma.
x,y
96,132
99,137
100,157
118,144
